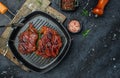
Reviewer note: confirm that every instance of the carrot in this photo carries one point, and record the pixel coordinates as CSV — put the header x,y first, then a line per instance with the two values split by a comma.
x,y
99,9
3,8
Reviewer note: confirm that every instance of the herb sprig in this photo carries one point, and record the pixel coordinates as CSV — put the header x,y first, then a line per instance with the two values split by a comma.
x,y
85,12
86,32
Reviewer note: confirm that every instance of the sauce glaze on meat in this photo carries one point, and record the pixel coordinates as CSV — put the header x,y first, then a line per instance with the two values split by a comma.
x,y
47,46
27,40
50,43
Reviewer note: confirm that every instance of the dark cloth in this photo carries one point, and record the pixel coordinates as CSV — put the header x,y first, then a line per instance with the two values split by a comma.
x,y
95,56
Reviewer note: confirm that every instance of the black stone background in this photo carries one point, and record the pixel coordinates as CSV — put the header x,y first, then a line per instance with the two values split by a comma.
x,y
94,56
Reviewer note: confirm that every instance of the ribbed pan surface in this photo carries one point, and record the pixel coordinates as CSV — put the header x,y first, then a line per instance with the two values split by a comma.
x,y
35,62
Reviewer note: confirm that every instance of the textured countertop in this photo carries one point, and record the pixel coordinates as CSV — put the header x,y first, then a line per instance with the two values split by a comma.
x,y
95,56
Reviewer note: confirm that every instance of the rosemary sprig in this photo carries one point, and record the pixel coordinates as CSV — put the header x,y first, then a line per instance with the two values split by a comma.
x,y
85,33
39,37
85,12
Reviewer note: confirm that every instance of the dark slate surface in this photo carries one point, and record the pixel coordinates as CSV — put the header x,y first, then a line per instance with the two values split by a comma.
x,y
95,56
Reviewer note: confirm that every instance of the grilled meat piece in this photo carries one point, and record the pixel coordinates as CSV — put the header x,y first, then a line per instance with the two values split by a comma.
x,y
27,40
47,46
50,43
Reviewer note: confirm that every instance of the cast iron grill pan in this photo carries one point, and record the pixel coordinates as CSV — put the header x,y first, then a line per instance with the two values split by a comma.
x,y
33,61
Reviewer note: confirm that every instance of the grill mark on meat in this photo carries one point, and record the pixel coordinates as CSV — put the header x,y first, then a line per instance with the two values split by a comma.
x,y
51,42
27,40
47,46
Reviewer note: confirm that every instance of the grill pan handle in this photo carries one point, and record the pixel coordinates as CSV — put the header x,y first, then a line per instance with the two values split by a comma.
x,y
13,25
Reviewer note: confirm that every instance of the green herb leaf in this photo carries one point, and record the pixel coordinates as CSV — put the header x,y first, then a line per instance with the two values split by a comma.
x,y
85,33
40,3
85,12
39,37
